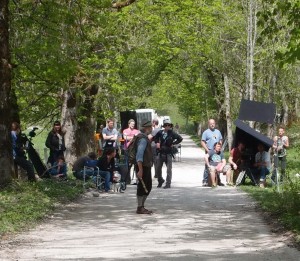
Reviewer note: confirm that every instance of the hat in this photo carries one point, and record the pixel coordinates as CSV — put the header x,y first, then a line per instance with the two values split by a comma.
x,y
147,124
167,121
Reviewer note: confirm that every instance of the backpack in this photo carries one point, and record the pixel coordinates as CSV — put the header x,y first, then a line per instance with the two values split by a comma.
x,y
132,149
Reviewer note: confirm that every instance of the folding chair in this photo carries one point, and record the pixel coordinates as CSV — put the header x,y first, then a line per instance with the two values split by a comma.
x,y
91,169
177,155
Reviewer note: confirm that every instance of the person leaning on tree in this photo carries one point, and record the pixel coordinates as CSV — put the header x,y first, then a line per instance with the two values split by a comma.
x,y
56,143
19,152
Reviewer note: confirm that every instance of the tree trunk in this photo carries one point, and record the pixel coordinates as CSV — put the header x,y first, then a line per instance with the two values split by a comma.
x,y
79,134
6,160
227,112
272,127
251,40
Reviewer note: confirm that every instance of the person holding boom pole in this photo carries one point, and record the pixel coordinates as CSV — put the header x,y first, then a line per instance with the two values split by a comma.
x,y
144,164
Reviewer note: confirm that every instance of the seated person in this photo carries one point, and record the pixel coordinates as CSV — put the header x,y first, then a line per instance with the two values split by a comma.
x,y
19,156
106,165
59,168
80,163
262,165
216,164
236,161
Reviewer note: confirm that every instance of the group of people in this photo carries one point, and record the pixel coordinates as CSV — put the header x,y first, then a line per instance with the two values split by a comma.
x,y
54,141
156,146
215,163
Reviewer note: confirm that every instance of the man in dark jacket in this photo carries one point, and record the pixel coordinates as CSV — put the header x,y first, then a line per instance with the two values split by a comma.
x,y
165,141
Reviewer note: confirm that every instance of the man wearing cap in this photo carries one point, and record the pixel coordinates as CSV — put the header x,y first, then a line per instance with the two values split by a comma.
x,y
165,140
144,164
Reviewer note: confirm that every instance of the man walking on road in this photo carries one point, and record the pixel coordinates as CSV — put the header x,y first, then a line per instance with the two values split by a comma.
x,y
208,139
165,140
144,164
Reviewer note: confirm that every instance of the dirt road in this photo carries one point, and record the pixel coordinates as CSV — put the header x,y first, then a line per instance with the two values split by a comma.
x,y
190,222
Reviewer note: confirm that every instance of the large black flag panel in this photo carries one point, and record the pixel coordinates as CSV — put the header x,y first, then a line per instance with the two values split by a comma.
x,y
250,137
257,111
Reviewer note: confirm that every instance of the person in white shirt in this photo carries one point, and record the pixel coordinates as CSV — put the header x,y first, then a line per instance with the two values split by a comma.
x,y
262,165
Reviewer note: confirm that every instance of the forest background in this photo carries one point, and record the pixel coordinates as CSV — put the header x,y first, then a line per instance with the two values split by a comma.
x,y
84,61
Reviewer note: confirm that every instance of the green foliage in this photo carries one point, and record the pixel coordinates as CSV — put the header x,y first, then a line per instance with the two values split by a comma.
x,y
282,16
23,204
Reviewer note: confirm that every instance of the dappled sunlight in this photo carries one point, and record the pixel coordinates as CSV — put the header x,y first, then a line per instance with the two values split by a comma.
x,y
190,222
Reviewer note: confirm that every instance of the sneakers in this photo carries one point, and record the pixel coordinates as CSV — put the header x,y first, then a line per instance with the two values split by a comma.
x,y
220,184
142,210
204,184
160,183
167,186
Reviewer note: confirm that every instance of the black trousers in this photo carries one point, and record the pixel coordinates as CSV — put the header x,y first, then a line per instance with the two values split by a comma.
x,y
27,166
147,178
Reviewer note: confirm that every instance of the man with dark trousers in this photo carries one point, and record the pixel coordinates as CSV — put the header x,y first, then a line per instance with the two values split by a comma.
x,y
165,140
144,164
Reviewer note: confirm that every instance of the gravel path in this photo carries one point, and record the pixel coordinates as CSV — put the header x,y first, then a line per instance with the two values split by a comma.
x,y
190,222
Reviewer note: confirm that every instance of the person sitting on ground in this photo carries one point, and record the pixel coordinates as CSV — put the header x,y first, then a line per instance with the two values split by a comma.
x,y
216,164
262,165
106,165
19,155
80,163
59,168
236,161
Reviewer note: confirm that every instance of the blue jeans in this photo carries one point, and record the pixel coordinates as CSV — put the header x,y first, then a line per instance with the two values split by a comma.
x,y
106,175
261,172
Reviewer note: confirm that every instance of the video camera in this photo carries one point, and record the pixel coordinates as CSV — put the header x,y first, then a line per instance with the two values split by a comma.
x,y
23,140
32,132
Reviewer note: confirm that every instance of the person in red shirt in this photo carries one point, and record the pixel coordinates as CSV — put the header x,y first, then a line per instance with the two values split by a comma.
x,y
235,160
130,132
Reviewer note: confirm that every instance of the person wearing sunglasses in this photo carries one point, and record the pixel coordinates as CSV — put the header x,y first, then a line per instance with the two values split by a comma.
x,y
165,140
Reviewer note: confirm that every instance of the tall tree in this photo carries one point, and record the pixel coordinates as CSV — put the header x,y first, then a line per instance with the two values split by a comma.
x,y
5,87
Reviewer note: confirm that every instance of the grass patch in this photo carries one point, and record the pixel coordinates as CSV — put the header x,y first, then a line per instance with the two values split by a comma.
x,y
23,204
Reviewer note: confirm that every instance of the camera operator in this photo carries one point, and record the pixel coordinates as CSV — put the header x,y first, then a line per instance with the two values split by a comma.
x,y
19,142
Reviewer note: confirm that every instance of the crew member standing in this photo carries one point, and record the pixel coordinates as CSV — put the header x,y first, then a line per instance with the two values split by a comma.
x,y
208,139
281,143
165,141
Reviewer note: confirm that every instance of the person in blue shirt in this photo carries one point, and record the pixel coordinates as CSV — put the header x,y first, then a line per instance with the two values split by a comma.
x,y
19,155
59,168
208,139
